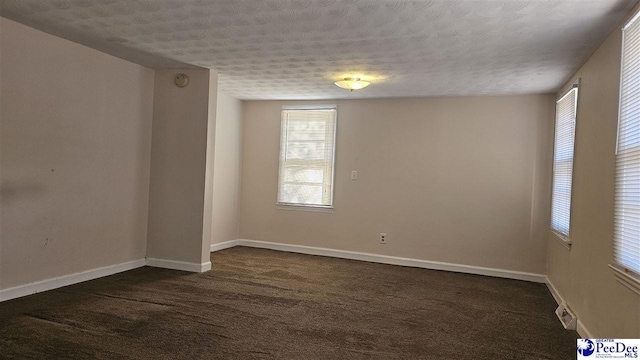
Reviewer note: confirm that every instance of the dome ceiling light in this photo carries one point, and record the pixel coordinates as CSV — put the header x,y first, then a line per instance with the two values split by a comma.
x,y
352,83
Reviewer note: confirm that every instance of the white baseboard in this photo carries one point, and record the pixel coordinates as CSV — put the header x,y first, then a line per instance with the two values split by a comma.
x,y
179,265
61,281
583,331
580,328
554,292
223,245
54,283
392,260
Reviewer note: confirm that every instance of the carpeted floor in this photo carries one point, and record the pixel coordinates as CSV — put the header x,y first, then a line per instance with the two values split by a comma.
x,y
262,304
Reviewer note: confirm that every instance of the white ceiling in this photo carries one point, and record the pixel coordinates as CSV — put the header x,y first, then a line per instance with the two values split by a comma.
x,y
295,49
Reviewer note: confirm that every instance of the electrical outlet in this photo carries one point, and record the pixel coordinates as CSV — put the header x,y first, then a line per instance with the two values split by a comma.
x,y
354,175
383,238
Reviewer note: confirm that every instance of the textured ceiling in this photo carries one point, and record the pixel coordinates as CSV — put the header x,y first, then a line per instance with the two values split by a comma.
x,y
295,49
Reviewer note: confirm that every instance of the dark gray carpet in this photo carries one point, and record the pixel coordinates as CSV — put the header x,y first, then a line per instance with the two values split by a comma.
x,y
261,304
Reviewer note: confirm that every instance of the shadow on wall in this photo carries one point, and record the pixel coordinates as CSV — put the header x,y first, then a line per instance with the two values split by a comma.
x,y
11,191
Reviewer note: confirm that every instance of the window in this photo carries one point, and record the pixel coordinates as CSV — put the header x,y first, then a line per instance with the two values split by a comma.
x,y
563,163
626,236
307,148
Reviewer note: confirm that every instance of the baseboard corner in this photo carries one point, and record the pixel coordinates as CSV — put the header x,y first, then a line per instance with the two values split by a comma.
x,y
554,292
204,267
179,265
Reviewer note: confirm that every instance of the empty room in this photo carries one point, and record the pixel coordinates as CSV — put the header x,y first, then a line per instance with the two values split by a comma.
x,y
319,179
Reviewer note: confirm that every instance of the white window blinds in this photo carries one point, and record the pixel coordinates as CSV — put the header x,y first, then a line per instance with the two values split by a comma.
x,y
307,147
563,162
627,199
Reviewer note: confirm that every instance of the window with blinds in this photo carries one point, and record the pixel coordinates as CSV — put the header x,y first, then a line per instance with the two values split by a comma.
x,y
563,163
626,236
307,148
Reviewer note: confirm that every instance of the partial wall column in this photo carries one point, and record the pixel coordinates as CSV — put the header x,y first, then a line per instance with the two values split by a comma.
x,y
181,180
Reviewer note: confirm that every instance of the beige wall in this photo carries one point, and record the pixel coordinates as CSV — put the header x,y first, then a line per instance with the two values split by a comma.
x,y
461,180
228,166
207,221
75,150
179,182
1,112
581,275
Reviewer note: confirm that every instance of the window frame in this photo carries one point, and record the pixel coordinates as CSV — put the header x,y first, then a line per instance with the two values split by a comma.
x,y
623,275
308,207
564,239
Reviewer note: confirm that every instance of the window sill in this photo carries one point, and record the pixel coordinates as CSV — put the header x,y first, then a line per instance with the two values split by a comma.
x,y
626,279
309,208
563,240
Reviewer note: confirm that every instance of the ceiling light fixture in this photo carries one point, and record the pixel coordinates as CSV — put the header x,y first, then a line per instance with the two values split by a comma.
x,y
352,83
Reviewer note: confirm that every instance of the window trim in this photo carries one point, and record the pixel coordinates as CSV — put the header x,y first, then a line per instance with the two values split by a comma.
x,y
305,207
565,240
625,279
309,208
